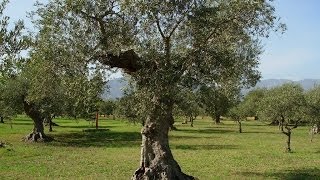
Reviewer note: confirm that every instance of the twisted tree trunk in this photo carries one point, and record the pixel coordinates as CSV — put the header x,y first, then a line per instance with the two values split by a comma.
x,y
240,126
288,134
1,119
37,135
157,161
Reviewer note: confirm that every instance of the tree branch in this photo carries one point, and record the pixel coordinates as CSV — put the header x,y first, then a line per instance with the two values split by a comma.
x,y
127,60
159,28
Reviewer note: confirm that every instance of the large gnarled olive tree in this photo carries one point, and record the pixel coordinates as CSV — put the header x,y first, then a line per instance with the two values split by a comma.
x,y
163,45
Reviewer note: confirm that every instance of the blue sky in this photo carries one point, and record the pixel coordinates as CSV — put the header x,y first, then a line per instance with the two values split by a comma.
x,y
294,55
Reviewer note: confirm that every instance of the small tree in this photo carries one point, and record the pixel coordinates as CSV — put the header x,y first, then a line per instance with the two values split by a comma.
x,y
312,109
187,103
248,107
107,107
214,101
284,103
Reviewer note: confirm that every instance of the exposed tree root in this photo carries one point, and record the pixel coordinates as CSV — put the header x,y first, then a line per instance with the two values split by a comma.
x,y
161,173
37,137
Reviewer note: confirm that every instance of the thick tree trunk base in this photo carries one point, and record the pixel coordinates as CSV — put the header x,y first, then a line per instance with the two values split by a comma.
x,y
37,137
161,173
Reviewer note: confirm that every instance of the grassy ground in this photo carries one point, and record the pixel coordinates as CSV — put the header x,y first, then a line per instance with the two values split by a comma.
x,y
206,151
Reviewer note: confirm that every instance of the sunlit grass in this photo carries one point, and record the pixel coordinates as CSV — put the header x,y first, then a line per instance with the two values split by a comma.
x,y
207,151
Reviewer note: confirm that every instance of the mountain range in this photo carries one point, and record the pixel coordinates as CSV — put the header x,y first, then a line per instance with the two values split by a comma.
x,y
114,88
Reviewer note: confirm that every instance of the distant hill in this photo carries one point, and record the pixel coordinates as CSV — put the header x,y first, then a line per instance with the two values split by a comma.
x,y
270,83
306,83
116,86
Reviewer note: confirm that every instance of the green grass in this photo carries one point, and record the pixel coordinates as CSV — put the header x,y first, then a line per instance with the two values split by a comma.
x,y
206,151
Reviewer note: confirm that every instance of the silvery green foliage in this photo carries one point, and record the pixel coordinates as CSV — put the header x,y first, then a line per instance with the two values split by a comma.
x,y
180,42
312,109
283,102
12,42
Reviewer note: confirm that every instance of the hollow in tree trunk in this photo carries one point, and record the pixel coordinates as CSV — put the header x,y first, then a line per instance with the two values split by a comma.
x,y
1,119
157,161
37,135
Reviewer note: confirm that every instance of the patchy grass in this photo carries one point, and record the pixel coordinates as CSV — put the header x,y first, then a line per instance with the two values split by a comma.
x,y
206,151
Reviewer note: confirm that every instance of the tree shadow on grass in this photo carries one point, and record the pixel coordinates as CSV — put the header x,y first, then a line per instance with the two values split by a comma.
x,y
190,137
97,139
205,147
19,123
299,174
259,132
207,131
84,126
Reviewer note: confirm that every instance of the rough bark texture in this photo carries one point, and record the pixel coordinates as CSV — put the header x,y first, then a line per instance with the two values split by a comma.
x,y
1,119
37,135
157,161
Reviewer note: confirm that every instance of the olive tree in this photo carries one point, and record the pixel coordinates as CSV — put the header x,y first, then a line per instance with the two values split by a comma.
x,y
312,109
12,42
187,103
284,103
250,103
247,107
163,46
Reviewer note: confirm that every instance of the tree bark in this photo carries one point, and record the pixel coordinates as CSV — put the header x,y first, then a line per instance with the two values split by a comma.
x,y
1,119
157,161
37,135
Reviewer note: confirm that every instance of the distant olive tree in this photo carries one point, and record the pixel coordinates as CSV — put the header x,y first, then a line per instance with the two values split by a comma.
x,y
312,109
249,105
187,103
284,103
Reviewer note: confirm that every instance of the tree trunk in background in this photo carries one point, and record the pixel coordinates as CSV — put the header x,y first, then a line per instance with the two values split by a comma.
x,y
170,118
217,118
191,120
97,120
157,161
289,141
37,135
50,124
240,126
1,119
